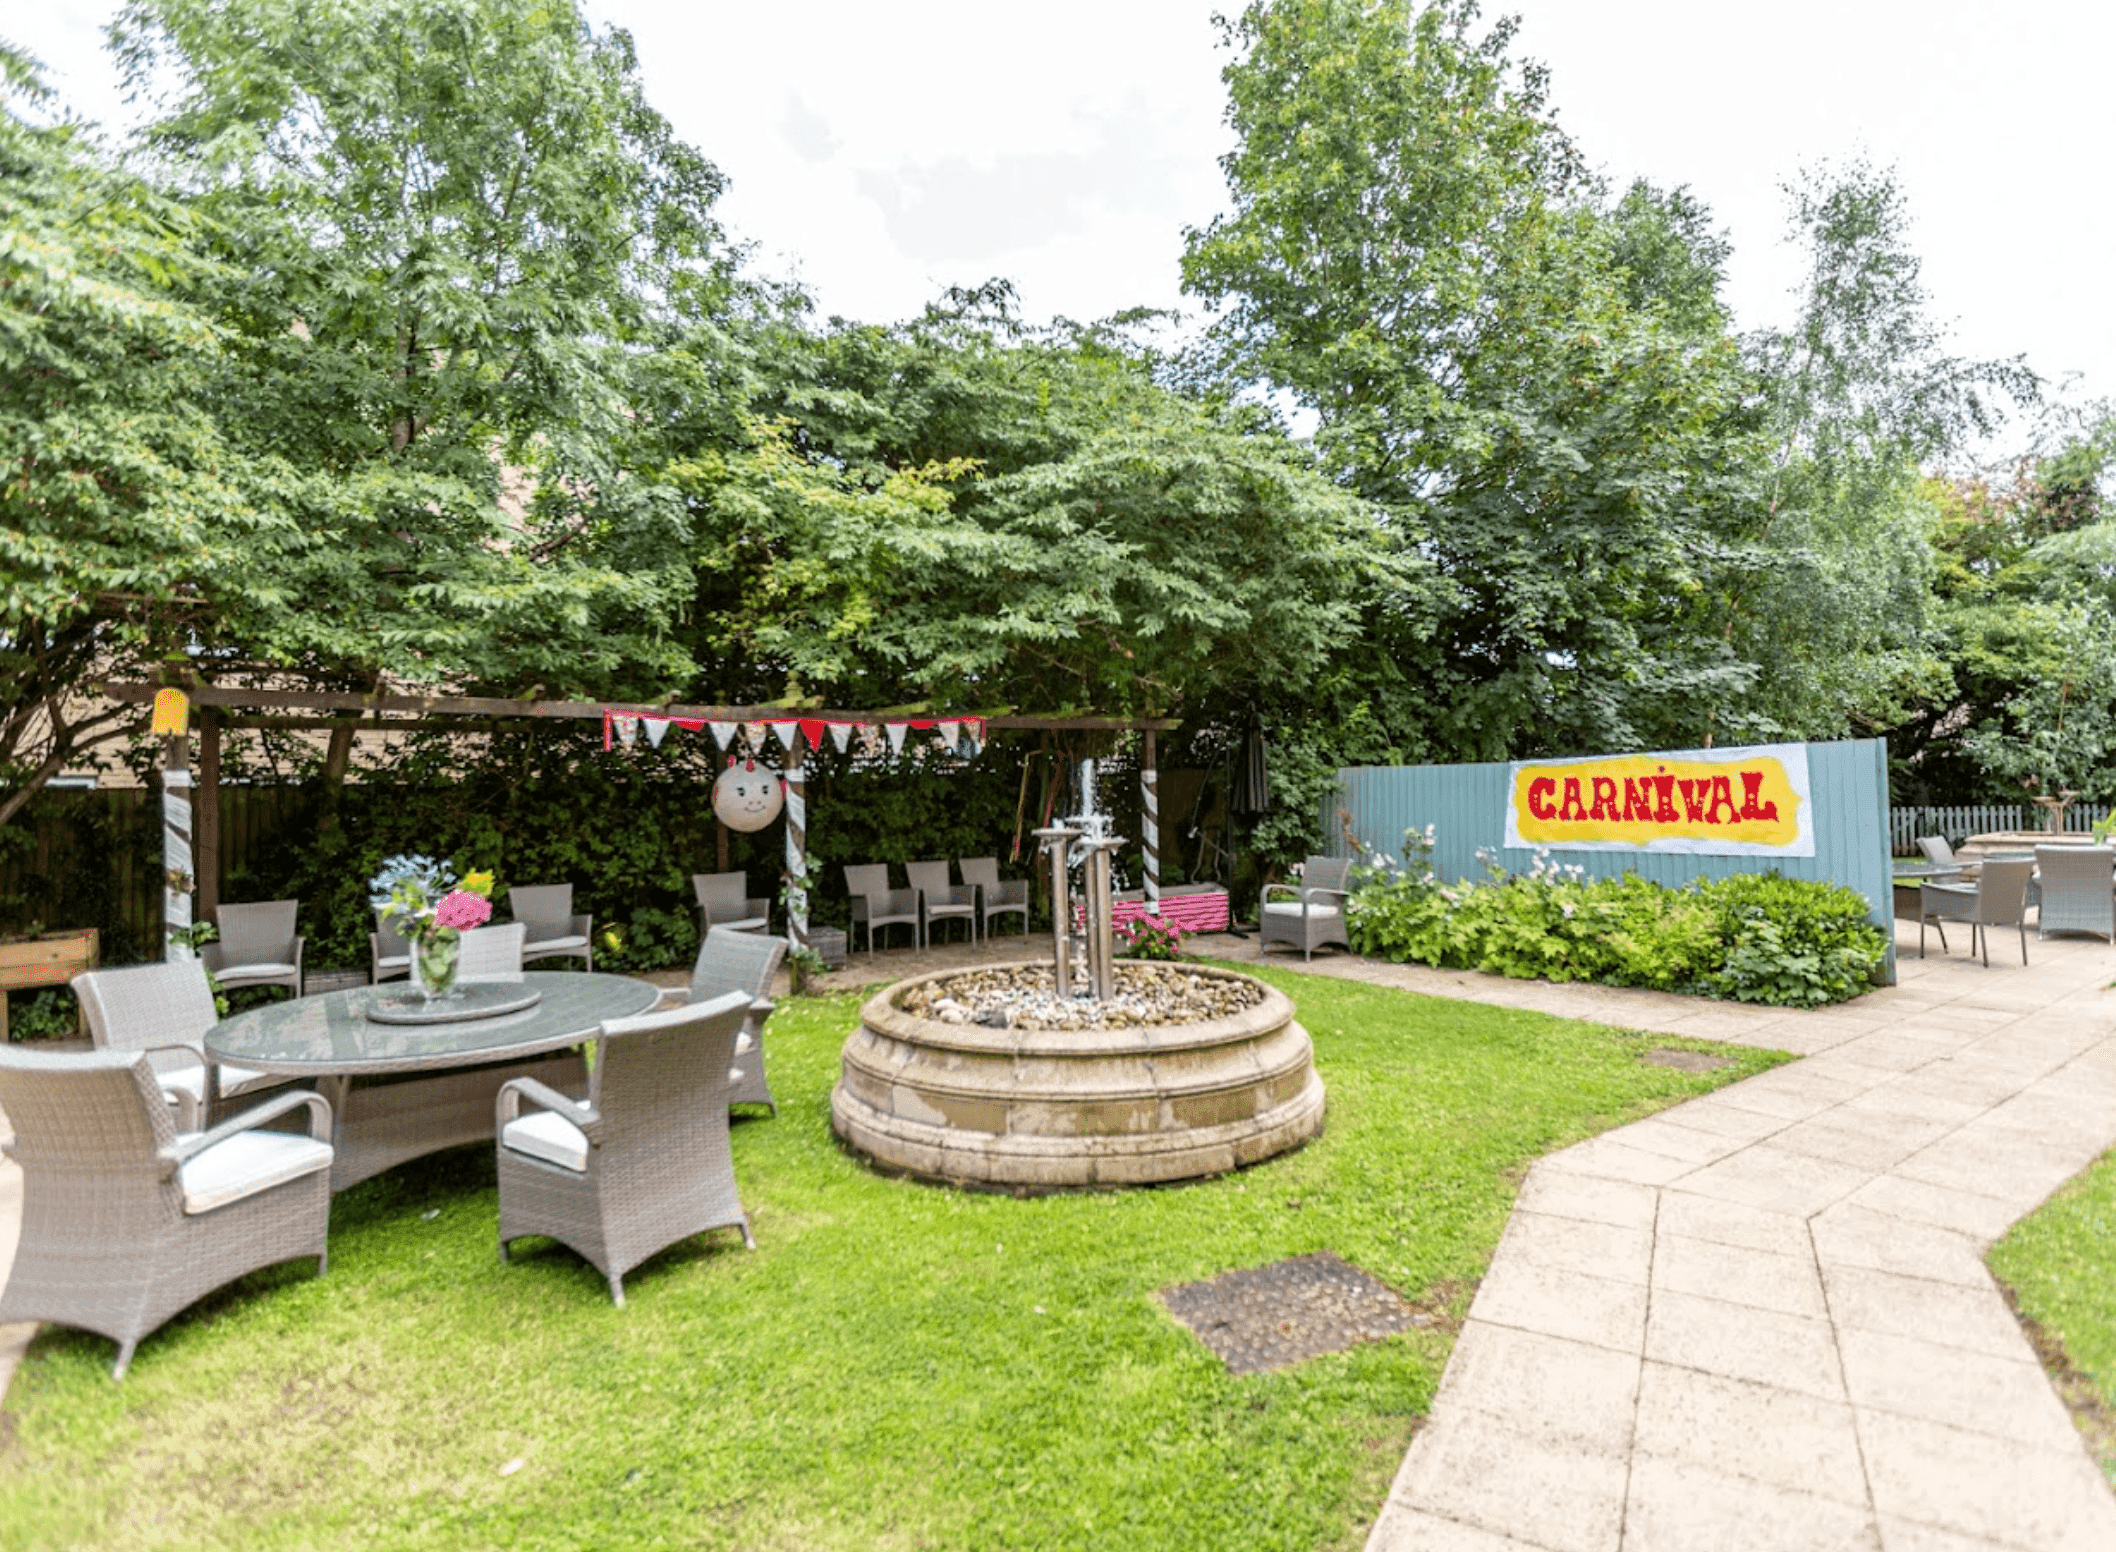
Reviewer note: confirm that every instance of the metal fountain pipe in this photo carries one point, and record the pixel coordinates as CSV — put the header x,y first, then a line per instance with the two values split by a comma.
x,y
1057,842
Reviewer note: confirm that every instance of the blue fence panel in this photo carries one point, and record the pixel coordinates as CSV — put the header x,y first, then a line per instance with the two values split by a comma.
x,y
1466,806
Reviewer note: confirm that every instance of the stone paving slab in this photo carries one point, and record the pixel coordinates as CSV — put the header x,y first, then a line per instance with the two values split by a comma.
x,y
1822,1360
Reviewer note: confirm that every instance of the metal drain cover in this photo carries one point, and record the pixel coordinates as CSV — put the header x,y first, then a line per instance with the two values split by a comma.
x,y
1266,1317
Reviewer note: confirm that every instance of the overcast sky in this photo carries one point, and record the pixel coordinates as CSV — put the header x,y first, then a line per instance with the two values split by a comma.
x,y
881,151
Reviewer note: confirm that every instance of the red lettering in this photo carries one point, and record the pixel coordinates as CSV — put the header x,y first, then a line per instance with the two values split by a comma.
x,y
1570,806
1722,797
1693,799
1665,813
1605,801
1752,804
1539,803
1638,800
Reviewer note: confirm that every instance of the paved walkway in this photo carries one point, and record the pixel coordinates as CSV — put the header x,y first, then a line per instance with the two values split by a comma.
x,y
1759,1321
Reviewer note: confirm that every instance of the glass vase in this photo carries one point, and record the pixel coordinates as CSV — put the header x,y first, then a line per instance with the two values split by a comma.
x,y
434,961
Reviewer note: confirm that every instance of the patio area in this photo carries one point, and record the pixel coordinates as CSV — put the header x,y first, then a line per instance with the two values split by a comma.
x,y
1765,1306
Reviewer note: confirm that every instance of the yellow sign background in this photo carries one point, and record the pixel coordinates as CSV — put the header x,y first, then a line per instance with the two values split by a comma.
x,y
1637,799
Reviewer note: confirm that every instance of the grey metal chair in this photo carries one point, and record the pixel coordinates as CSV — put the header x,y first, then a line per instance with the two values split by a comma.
x,y
724,900
554,930
875,904
644,1160
388,953
939,900
2078,890
258,946
125,1220
995,896
165,1011
1310,913
492,953
1941,855
1999,898
733,960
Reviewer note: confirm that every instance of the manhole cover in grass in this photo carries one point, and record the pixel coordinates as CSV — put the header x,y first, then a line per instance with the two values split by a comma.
x,y
1687,1061
1265,1317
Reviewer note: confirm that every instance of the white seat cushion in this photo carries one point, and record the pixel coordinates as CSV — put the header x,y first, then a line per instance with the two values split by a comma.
x,y
233,1080
394,962
245,1164
747,924
547,1135
572,940
1293,908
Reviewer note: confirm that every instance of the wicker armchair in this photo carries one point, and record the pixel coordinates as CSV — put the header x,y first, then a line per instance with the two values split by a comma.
x,y
1998,898
939,900
388,953
641,1163
165,1010
875,904
258,946
1315,913
724,900
1941,855
730,960
554,931
125,1220
995,896
492,953
2078,890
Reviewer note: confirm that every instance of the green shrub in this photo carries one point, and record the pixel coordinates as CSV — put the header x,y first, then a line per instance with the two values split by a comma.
x,y
1751,938
43,1015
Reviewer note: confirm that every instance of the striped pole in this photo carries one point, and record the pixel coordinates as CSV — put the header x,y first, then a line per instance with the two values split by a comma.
x,y
796,848
176,847
1150,822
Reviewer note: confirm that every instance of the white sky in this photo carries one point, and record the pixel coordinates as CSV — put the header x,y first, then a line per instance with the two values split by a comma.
x,y
882,151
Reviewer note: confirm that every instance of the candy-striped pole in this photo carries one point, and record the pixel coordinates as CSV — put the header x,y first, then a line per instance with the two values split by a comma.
x,y
796,848
1150,821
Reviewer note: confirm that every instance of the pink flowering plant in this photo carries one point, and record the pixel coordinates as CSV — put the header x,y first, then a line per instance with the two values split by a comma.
x,y
1149,937
425,901
462,909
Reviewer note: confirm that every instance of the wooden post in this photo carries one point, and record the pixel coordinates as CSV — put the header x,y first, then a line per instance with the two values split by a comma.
x,y
796,850
176,844
208,831
720,838
1150,822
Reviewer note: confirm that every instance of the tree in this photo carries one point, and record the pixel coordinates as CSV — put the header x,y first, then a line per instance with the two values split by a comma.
x,y
445,234
126,520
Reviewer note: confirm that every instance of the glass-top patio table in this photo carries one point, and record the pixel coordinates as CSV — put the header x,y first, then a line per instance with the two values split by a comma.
x,y
399,1091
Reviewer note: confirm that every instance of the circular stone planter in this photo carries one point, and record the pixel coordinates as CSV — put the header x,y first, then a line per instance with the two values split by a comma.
x,y
1056,1110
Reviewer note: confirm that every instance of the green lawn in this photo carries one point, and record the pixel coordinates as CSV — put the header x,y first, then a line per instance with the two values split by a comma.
x,y
2060,1264
895,1366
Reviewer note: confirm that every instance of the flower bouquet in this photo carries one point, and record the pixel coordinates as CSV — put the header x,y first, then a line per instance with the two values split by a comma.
x,y
423,900
1150,937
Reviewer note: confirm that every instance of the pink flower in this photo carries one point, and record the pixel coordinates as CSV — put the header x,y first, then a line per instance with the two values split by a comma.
x,y
462,909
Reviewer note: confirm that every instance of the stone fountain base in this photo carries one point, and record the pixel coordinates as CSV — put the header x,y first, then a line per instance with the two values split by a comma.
x,y
1036,1109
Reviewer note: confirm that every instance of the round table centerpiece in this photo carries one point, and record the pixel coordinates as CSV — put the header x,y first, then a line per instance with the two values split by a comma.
x,y
432,909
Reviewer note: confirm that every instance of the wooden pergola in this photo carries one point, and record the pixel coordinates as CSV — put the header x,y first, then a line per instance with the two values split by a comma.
x,y
221,707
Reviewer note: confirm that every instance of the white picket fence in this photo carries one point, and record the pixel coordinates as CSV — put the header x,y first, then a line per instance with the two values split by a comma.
x,y
1905,825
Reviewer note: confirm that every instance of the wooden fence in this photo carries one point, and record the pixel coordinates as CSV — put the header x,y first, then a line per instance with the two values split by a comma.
x,y
1957,824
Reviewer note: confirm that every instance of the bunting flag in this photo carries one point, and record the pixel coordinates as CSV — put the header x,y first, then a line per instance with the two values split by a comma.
x,y
627,730
870,741
756,733
723,734
895,730
788,734
812,730
950,735
657,730
841,735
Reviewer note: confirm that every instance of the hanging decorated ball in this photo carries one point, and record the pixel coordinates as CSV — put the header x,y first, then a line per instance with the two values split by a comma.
x,y
748,796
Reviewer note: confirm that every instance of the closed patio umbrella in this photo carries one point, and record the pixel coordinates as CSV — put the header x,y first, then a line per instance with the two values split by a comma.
x,y
1252,780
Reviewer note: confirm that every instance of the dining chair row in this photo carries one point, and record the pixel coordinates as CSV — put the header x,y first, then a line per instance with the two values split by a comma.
x,y
933,898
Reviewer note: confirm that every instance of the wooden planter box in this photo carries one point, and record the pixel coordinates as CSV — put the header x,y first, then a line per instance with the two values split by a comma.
x,y
50,960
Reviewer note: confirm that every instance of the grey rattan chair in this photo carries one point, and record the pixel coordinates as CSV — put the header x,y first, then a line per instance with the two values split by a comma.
x,y
554,931
644,1160
939,900
388,954
258,946
995,896
1940,854
2078,890
1998,898
875,904
724,900
492,953
165,1010
730,960
126,1221
1315,912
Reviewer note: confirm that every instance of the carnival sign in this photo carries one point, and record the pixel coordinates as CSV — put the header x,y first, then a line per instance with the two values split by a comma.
x,y
1710,802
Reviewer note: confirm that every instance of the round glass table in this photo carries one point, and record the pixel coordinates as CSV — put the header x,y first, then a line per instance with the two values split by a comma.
x,y
399,1091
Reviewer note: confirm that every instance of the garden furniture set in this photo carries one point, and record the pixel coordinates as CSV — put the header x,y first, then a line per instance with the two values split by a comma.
x,y
932,897
2071,888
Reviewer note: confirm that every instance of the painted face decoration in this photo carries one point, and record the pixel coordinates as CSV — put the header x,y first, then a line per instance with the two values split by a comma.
x,y
748,796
